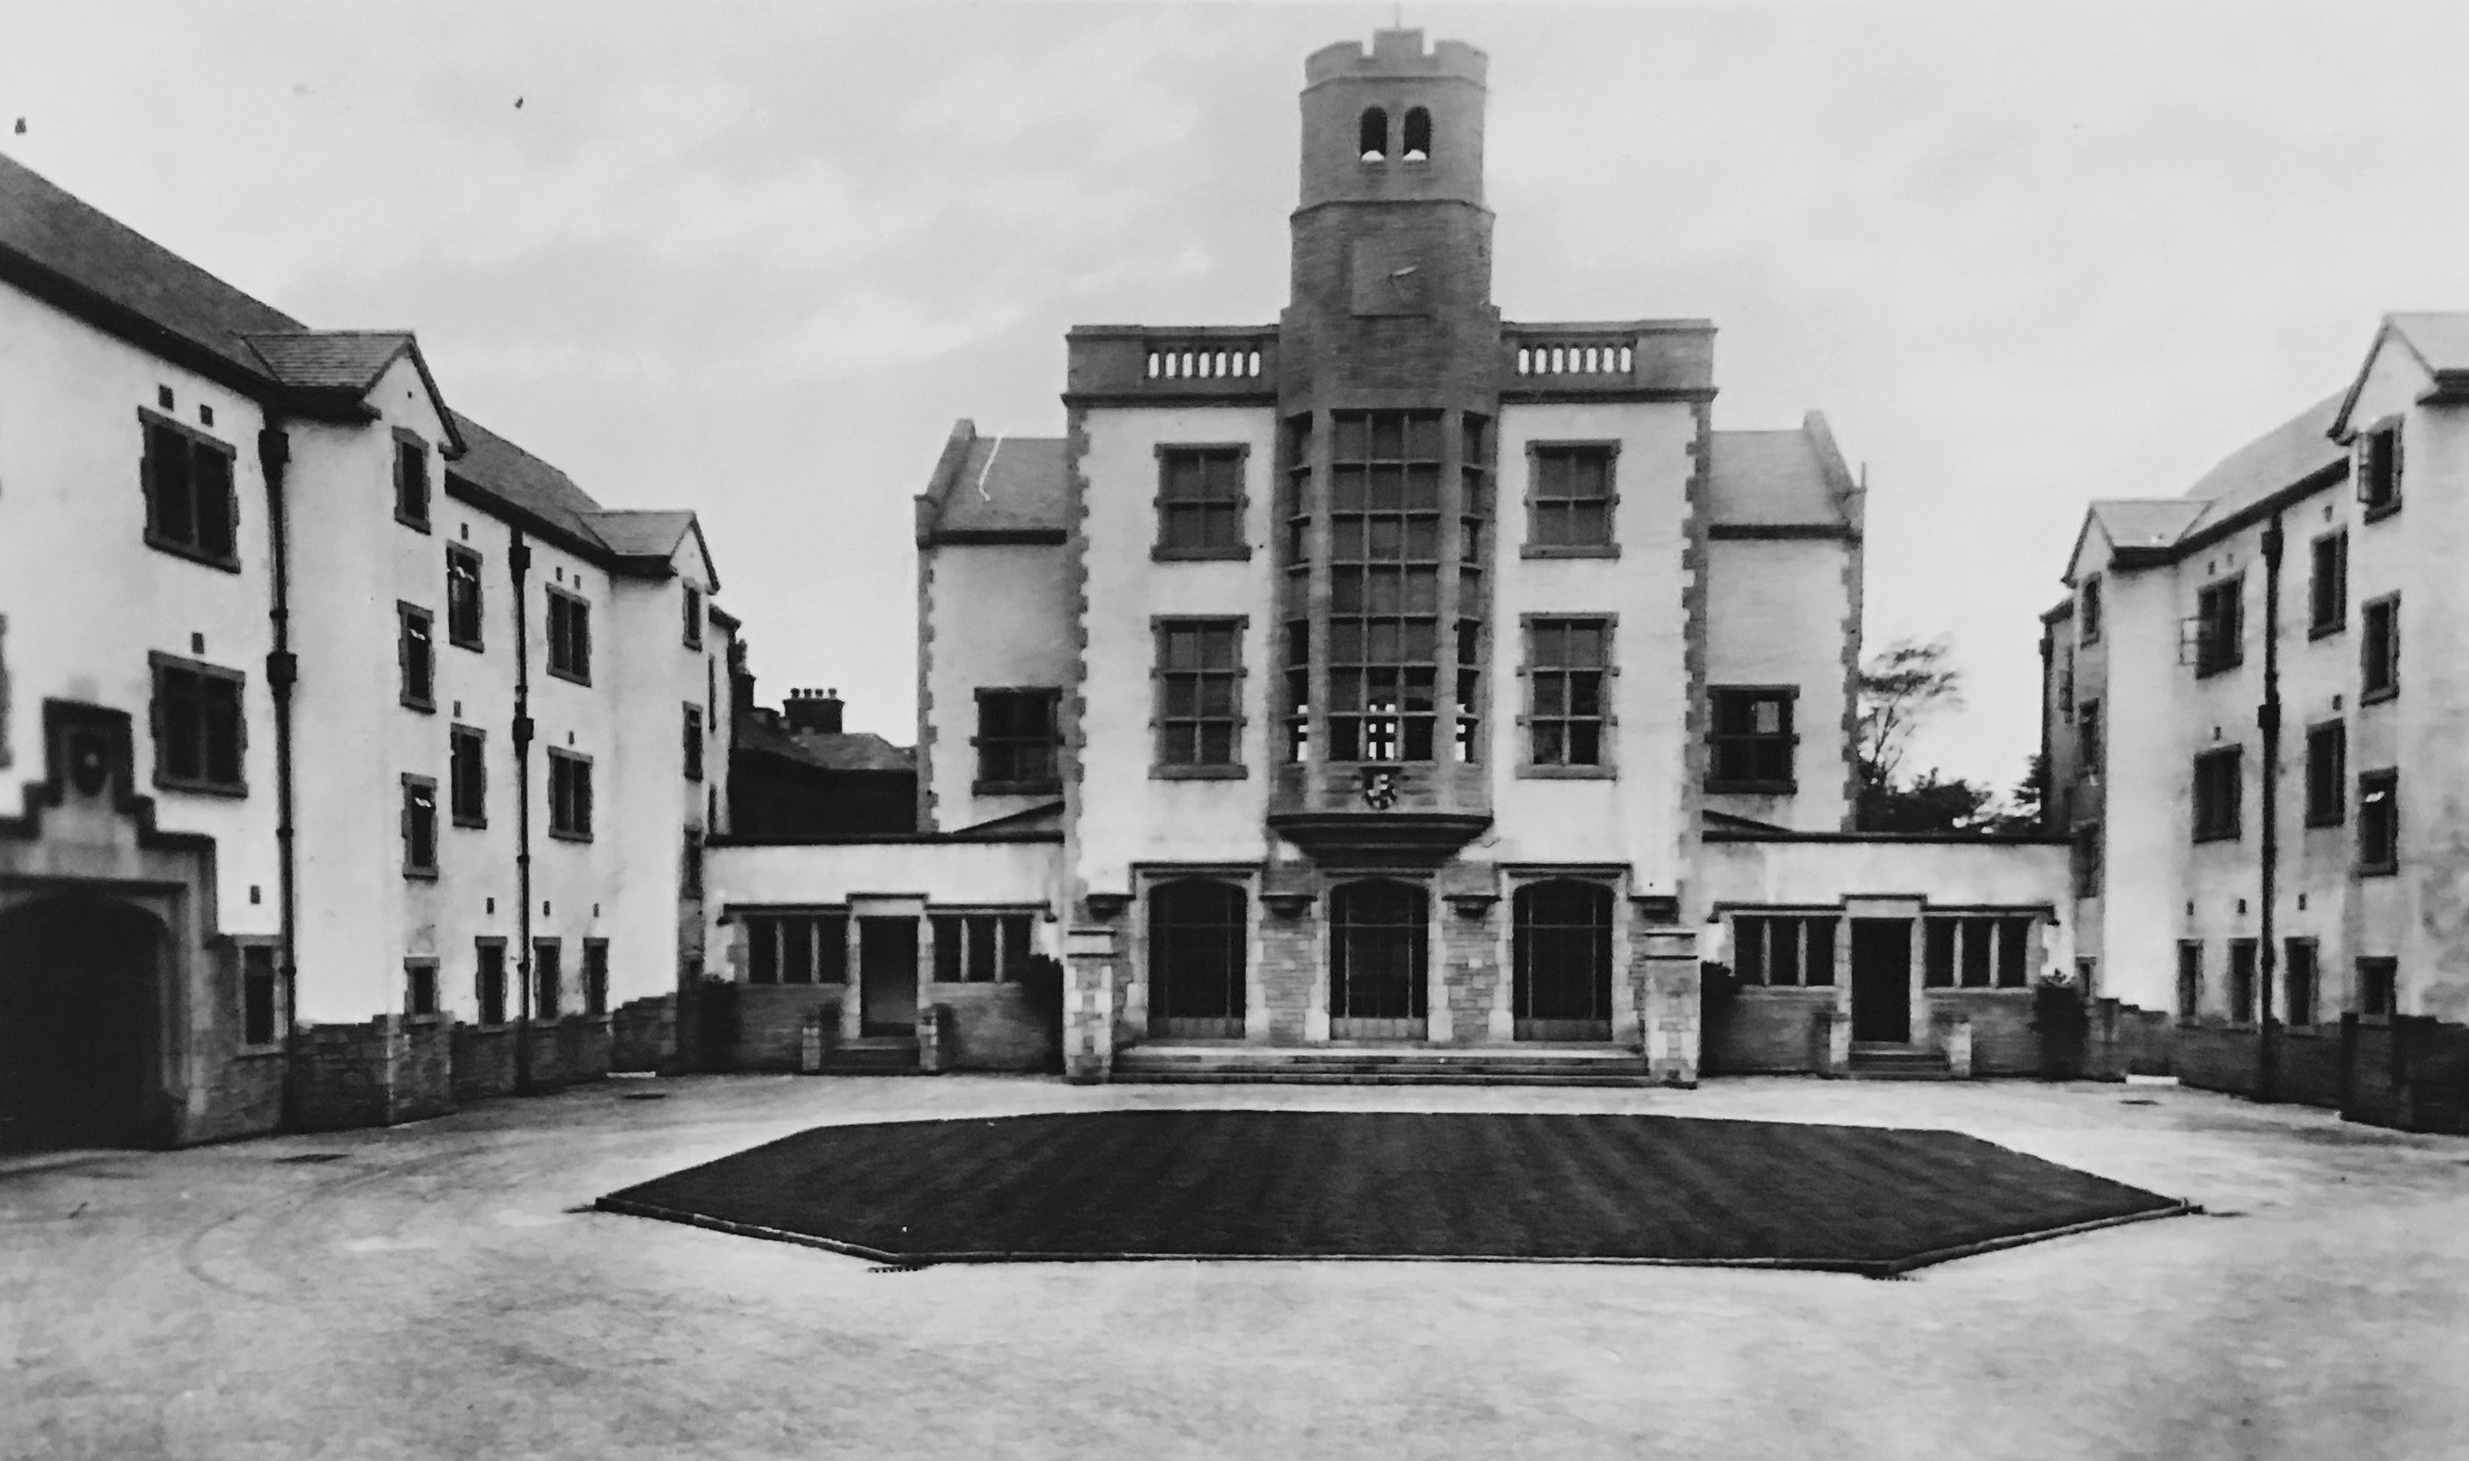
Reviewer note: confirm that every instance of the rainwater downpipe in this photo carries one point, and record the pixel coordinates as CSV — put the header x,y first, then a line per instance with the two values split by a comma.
x,y
282,671
519,562
2267,718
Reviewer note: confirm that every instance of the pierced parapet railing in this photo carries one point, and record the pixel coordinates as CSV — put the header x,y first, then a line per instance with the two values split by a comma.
x,y
1132,361
1674,356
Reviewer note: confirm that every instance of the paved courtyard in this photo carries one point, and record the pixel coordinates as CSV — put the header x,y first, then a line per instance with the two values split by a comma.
x,y
443,1290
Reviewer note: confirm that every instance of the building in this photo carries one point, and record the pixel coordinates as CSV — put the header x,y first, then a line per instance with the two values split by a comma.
x,y
2254,709
1394,675
353,761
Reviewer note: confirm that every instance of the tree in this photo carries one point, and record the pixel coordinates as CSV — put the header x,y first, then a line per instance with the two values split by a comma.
x,y
1901,686
2026,806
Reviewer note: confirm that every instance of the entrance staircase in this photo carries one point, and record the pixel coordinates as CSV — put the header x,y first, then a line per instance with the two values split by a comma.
x,y
872,1055
1234,1062
1875,1062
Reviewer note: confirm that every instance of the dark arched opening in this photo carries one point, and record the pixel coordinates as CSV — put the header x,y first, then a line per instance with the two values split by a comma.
x,y
1197,934
1372,137
1562,931
80,995
1378,952
1418,134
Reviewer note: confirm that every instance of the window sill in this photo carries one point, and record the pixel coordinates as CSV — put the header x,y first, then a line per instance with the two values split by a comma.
x,y
1569,550
474,645
570,677
2378,869
420,874
2230,836
560,835
695,776
229,562
2377,697
1016,788
2326,631
2205,672
2377,512
1235,772
1568,773
474,823
233,790
416,524
1752,788
425,707
1240,553
2318,823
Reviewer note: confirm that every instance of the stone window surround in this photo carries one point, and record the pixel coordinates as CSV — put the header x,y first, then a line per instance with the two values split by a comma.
x,y
1606,767
571,829
2387,605
409,447
2386,431
1042,786
1610,546
419,795
2320,623
414,624
1789,785
158,662
1238,551
1159,768
458,735
466,556
151,421
567,661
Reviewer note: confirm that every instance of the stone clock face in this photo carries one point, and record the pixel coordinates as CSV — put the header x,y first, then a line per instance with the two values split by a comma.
x,y
1388,279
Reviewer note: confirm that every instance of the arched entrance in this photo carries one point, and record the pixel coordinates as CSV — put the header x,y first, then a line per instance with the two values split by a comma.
x,y
80,1015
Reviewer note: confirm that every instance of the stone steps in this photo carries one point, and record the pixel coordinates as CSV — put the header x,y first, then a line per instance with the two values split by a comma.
x,y
1542,1065
1898,1063
872,1055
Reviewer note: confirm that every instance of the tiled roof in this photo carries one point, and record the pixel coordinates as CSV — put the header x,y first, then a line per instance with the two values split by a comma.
x,y
2145,524
1009,484
2288,453
501,470
641,534
47,227
331,360
1771,479
824,750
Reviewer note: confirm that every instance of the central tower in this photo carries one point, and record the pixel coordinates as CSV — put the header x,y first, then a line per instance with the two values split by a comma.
x,y
1389,360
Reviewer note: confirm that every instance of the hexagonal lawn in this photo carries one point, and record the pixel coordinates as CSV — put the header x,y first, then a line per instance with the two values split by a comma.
x,y
1398,1185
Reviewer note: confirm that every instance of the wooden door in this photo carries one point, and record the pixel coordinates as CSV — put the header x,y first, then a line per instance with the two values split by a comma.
x,y
1882,980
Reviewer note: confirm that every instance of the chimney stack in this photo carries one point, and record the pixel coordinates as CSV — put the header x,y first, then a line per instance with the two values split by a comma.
x,y
814,710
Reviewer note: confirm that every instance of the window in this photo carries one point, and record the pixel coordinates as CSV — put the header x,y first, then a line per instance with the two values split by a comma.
x,y
1384,585
191,509
2378,987
1572,502
2219,786
570,796
1017,740
420,986
467,776
595,976
2379,649
1561,958
2327,587
489,979
980,948
1200,502
1475,481
1418,139
2378,822
2327,773
1372,135
2091,756
1783,951
2190,982
1469,690
694,617
693,735
415,656
1198,937
1199,695
199,736
1975,951
690,864
548,978
260,996
2378,469
411,480
1378,948
419,826
2241,981
2220,627
800,948
2088,860
1567,661
1752,741
2087,610
463,615
2298,982
570,636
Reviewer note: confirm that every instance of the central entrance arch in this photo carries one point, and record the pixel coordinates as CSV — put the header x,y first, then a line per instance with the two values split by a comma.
x,y
81,981
1378,952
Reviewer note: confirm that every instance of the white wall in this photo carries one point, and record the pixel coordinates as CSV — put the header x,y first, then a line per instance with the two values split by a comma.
x,y
1776,611
998,615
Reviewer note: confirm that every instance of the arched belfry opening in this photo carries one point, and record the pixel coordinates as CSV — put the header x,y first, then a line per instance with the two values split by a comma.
x,y
1372,134
1418,137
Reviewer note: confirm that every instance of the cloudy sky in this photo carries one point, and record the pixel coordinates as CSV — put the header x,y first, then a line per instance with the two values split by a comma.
x,y
755,259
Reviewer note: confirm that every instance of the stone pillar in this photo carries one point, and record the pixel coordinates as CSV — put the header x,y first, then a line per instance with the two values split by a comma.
x,y
1666,992
933,1044
853,991
1088,1005
811,1044
1830,1041
925,973
1959,1047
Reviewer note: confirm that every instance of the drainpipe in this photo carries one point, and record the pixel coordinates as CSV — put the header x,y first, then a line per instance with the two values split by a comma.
x,y
282,670
2267,717
519,561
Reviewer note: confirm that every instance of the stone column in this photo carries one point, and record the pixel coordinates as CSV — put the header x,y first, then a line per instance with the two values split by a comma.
x,y
853,986
1666,991
1959,1047
1088,1005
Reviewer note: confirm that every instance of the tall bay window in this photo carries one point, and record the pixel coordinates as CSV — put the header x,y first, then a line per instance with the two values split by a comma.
x,y
1384,582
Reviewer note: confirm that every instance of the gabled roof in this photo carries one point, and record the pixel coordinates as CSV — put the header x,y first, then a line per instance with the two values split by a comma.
x,y
2153,530
1791,478
2437,339
996,489
767,732
651,538
347,364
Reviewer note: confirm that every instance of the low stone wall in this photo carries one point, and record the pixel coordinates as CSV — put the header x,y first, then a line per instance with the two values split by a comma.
x,y
993,1027
483,1062
2005,1040
1765,1031
643,1034
393,1068
2217,1057
247,1098
771,1023
2409,1072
